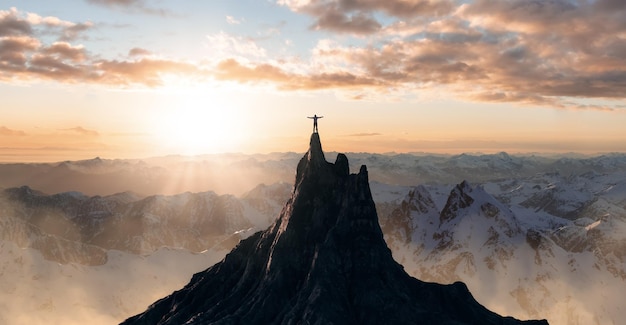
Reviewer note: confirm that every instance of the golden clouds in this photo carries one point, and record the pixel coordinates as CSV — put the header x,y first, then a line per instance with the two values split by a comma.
x,y
131,6
268,73
25,56
359,16
145,71
65,51
546,53
137,51
529,52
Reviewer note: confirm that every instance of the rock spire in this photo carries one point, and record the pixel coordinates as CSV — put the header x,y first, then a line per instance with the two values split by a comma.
x,y
323,261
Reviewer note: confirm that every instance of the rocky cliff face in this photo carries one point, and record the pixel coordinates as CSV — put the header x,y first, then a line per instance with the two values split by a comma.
x,y
324,261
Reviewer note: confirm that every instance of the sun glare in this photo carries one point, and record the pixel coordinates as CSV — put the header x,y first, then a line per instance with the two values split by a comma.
x,y
201,126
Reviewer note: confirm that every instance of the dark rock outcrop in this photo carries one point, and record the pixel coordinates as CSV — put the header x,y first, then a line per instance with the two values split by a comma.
x,y
323,261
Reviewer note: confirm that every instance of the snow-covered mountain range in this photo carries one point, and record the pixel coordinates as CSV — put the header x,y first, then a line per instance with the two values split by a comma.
x,y
523,261
531,236
238,173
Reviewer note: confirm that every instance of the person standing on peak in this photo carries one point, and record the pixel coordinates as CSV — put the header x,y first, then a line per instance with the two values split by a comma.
x,y
314,117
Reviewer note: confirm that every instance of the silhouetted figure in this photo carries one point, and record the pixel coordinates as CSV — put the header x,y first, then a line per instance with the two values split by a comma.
x,y
314,117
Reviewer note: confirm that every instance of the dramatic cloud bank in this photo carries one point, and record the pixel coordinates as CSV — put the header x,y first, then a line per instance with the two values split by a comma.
x,y
131,6
532,52
554,53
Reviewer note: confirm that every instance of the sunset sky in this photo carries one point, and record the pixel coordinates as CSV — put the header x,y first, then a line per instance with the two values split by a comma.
x,y
133,78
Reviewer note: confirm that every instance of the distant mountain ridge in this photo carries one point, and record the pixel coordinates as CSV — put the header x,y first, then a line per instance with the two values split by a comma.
x,y
238,173
71,227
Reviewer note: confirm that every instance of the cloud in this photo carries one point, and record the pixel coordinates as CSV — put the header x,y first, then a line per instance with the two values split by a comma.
x,y
546,53
13,52
74,32
232,20
121,3
148,72
469,64
82,131
233,70
610,5
338,21
224,45
65,30
4,131
137,51
394,8
24,56
132,6
358,16
12,25
268,73
364,134
65,51
536,53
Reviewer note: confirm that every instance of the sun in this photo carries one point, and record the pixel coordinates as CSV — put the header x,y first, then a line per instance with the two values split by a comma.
x,y
200,126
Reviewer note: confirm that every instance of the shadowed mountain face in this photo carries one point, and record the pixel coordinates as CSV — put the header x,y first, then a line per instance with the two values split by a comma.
x,y
323,261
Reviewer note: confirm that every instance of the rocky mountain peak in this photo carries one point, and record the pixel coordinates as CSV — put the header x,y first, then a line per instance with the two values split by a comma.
x,y
420,200
471,212
460,198
314,167
407,222
21,193
323,261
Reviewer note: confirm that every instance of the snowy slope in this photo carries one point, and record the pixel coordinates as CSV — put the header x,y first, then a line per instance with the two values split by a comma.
x,y
529,266
39,291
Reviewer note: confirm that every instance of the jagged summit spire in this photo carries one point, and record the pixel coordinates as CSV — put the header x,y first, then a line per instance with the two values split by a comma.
x,y
323,261
315,152
314,165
